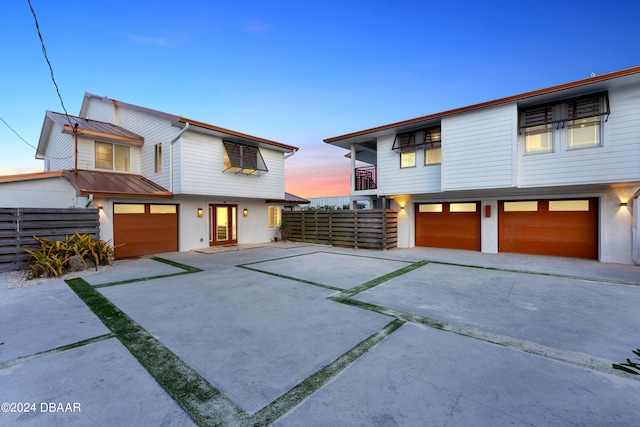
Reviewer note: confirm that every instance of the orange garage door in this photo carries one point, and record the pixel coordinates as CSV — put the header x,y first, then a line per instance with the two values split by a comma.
x,y
448,225
144,228
549,227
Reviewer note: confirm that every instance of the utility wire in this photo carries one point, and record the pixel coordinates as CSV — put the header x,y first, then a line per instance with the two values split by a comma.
x,y
46,57
19,136
31,145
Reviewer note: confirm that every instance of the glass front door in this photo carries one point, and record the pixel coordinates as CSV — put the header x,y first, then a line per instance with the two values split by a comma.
x,y
223,224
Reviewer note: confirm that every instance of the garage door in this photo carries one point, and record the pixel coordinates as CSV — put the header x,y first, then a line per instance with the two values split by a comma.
x,y
549,227
448,225
143,229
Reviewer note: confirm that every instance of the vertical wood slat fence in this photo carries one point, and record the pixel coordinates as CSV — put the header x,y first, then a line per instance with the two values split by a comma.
x,y
19,225
363,228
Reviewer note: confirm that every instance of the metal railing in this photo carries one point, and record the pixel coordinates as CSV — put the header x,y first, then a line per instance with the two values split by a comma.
x,y
366,178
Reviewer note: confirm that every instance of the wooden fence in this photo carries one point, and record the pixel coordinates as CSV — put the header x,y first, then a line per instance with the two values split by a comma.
x,y
364,228
19,225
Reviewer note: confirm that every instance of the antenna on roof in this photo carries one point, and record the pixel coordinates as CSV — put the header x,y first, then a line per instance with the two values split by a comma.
x,y
593,74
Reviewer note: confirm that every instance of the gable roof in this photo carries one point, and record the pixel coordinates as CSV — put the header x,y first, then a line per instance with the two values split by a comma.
x,y
195,125
86,127
594,83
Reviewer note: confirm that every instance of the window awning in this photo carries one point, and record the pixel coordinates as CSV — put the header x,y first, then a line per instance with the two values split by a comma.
x,y
240,158
582,107
418,139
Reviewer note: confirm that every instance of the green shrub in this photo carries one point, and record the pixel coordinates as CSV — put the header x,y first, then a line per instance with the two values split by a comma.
x,y
53,258
630,367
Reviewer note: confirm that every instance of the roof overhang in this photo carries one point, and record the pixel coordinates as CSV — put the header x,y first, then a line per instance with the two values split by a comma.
x,y
233,136
592,84
290,199
103,136
112,184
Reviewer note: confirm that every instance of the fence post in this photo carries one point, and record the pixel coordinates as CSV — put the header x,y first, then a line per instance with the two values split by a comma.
x,y
384,229
355,229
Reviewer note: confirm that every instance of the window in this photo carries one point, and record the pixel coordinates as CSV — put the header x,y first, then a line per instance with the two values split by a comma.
x,y
433,156
576,121
158,157
584,133
463,207
408,143
239,158
408,159
528,206
128,209
163,209
432,146
430,208
273,216
112,156
568,205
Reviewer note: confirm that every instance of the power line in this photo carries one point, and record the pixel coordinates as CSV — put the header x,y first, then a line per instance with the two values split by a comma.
x,y
19,136
31,145
46,57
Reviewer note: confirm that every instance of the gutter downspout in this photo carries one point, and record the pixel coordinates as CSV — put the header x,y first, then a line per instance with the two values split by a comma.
x,y
635,228
184,129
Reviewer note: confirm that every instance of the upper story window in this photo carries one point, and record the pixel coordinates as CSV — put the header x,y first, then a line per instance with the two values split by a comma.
x,y
240,158
408,159
428,139
158,157
432,146
113,156
576,121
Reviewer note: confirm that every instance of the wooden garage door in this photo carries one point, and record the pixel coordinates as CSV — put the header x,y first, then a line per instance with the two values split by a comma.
x,y
549,227
144,229
448,225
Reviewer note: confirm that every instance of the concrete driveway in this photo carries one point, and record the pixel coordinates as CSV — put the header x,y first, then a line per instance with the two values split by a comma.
x,y
309,335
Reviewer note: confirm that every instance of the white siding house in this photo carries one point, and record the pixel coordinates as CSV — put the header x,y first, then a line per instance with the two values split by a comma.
x,y
162,182
555,171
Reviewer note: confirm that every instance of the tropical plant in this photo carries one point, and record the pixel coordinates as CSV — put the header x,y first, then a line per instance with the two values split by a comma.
x,y
53,258
630,367
284,229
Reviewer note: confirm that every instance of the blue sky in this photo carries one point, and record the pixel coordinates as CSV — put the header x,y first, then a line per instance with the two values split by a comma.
x,y
298,71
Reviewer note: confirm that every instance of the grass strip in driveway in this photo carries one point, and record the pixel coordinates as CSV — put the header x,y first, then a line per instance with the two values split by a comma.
x,y
345,294
187,270
51,351
297,394
204,403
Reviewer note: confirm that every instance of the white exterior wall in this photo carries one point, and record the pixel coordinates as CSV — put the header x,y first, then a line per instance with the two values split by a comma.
x,y
478,149
616,160
40,193
394,180
154,129
202,158
59,154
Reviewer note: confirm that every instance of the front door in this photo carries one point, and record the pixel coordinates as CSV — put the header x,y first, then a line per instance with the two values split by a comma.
x,y
223,224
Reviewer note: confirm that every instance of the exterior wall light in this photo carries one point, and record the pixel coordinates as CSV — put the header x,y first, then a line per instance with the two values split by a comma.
x,y
623,204
245,212
199,212
100,207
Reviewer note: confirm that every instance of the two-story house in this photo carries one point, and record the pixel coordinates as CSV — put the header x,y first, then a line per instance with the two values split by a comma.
x,y
554,171
162,182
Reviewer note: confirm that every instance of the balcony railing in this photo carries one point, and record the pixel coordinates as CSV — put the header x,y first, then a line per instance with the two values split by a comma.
x,y
366,178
